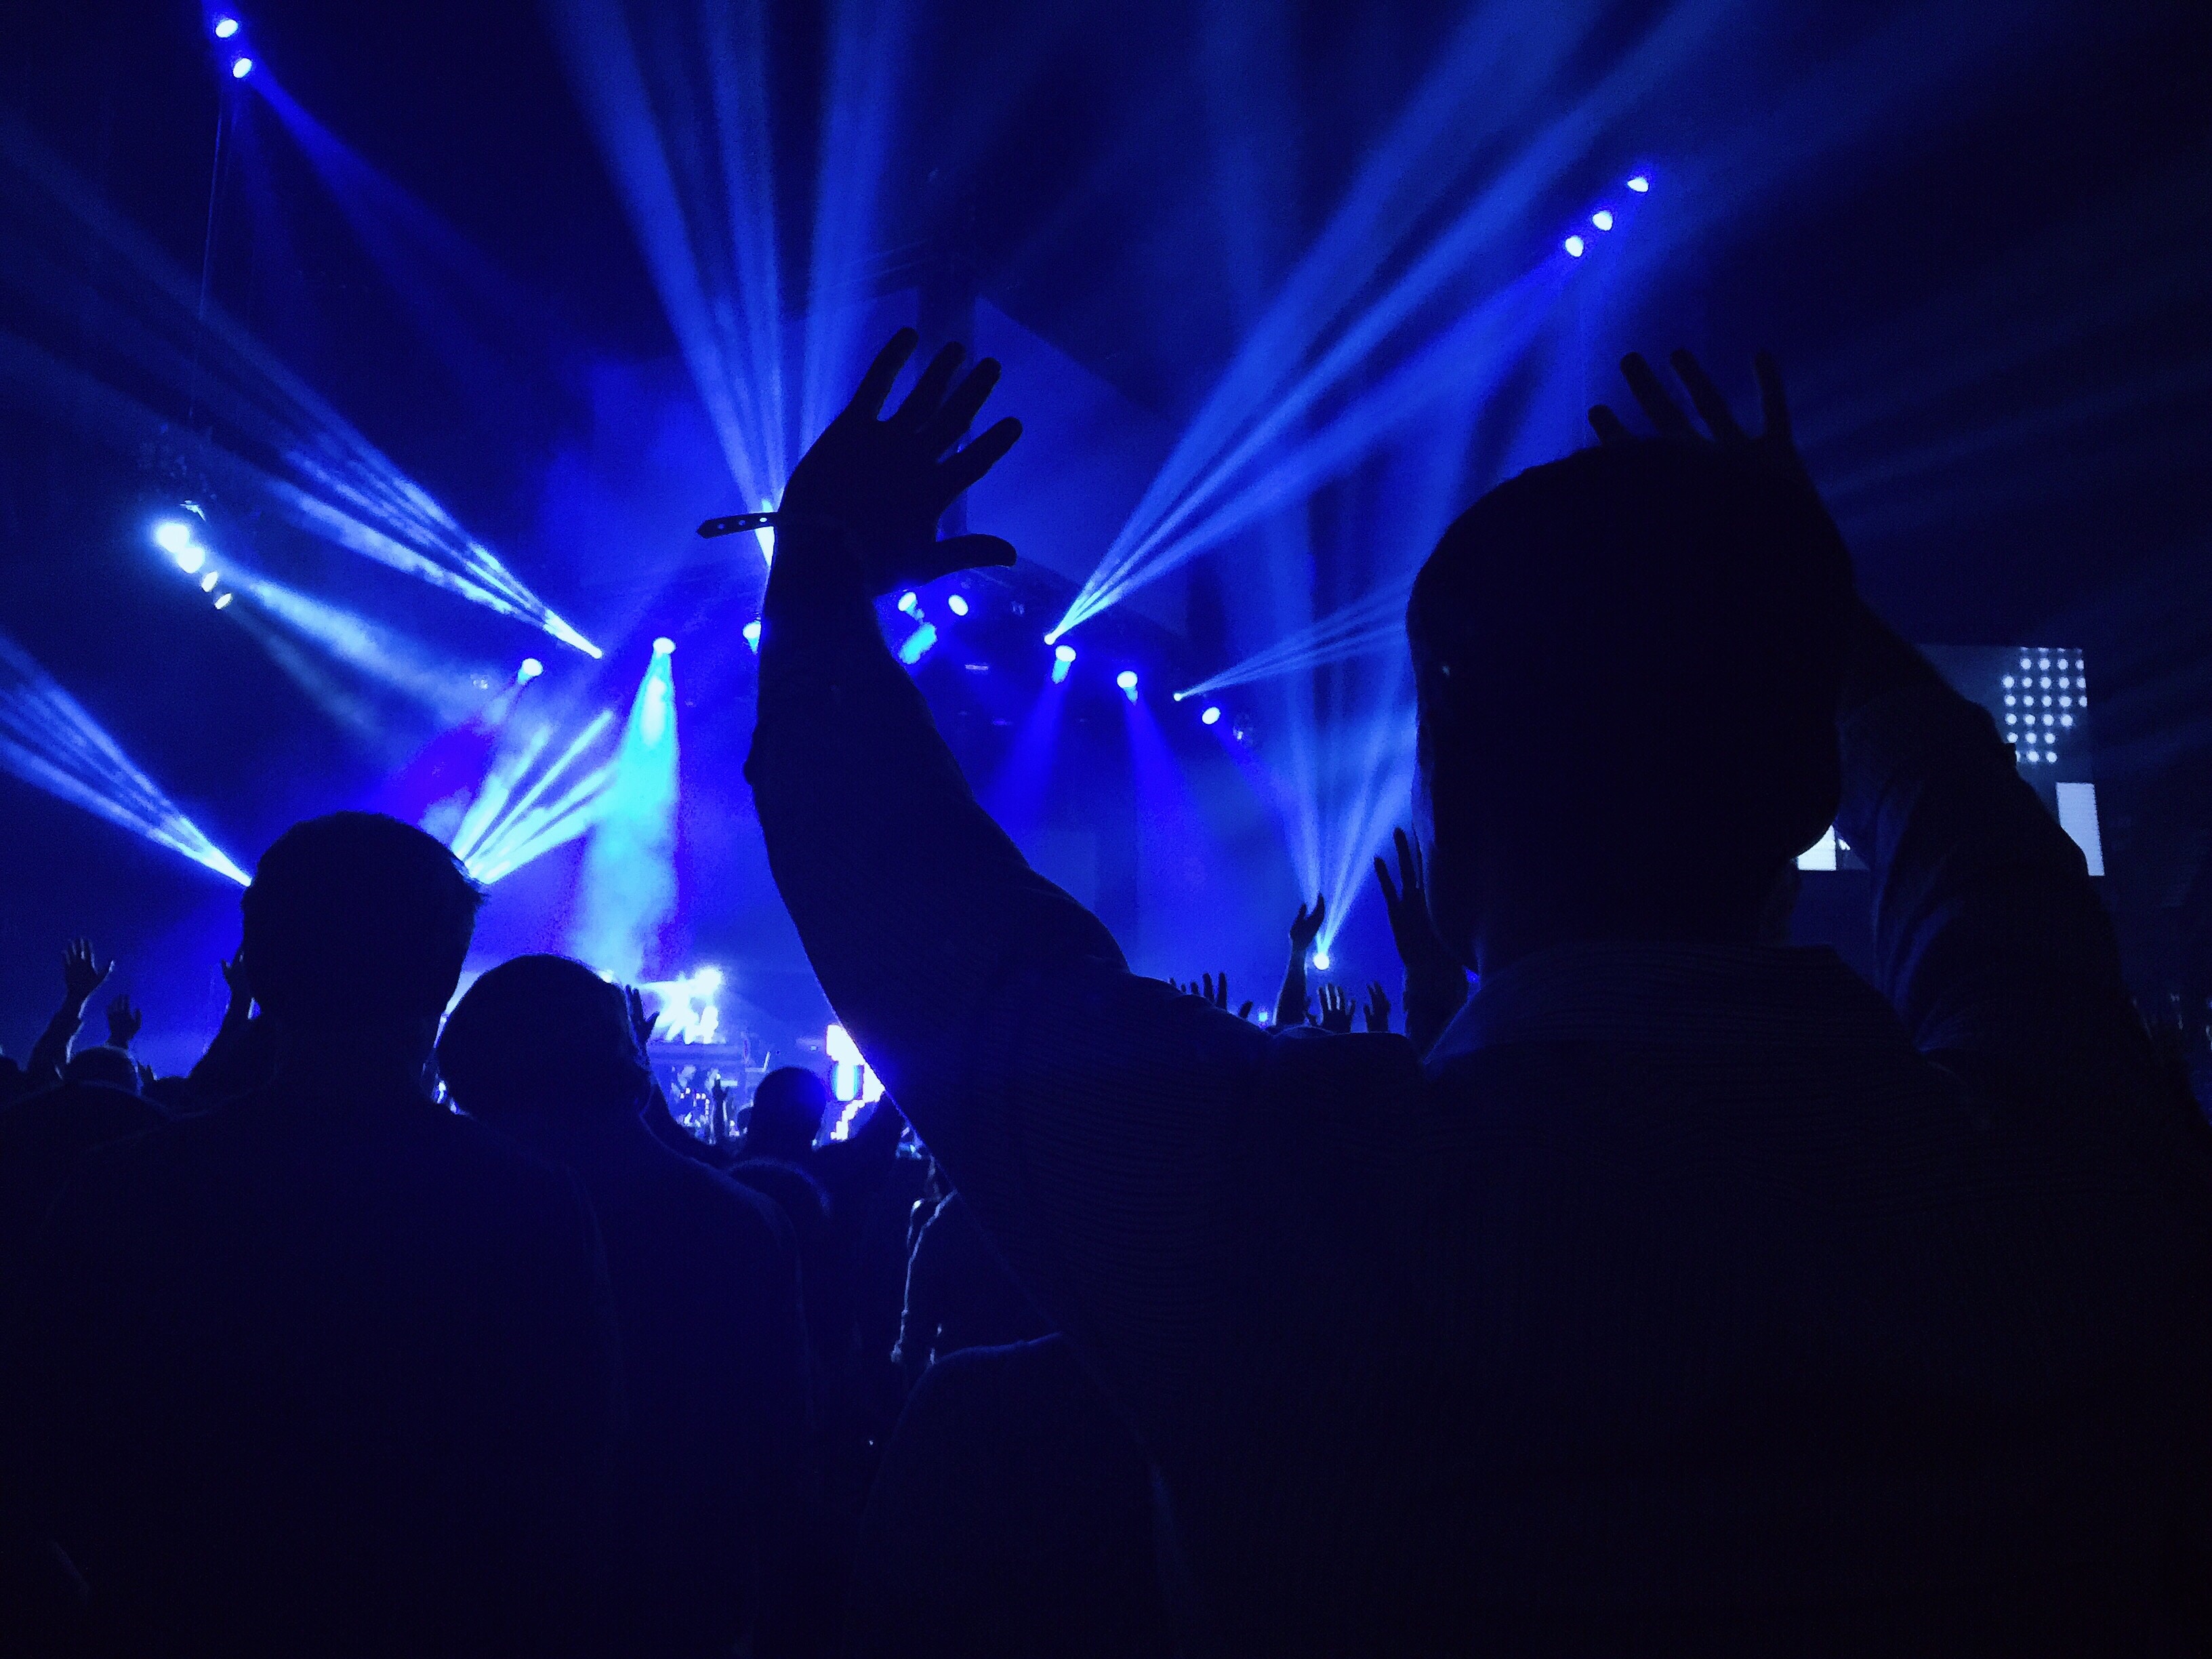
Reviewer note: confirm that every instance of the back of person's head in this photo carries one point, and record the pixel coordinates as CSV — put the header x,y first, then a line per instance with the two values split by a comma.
x,y
356,919
103,1063
1627,665
543,1036
788,1108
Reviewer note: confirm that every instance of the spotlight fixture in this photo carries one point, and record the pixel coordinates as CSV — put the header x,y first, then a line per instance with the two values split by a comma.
x,y
1574,246
1064,654
1640,183
752,634
956,606
208,581
171,536
530,669
225,28
1602,218
1210,717
1127,679
664,646
910,603
1321,960
240,67
222,601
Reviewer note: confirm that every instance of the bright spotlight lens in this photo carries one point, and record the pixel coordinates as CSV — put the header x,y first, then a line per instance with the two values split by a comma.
x,y
1127,679
172,537
957,605
190,559
1210,717
1321,960
225,28
752,634
1064,653
1574,246
240,67
1640,183
221,601
664,646
1602,218
909,602
530,669
208,581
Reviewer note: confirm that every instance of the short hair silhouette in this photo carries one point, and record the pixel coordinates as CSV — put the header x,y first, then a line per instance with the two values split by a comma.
x,y
1627,662
357,917
544,1036
103,1063
788,1111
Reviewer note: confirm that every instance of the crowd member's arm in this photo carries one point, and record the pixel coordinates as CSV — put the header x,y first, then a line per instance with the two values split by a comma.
x,y
1096,1121
1990,940
1436,984
1291,1004
81,976
125,1020
237,1059
1379,1006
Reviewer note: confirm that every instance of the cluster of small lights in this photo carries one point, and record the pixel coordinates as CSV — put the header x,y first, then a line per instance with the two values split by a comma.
x,y
1577,246
2040,701
225,28
176,537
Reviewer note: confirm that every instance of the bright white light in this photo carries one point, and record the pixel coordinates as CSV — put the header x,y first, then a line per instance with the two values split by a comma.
x,y
568,635
909,603
190,559
707,978
1059,670
530,669
2066,719
208,581
1602,218
664,646
752,634
222,600
1210,717
225,28
1321,960
1574,246
171,536
840,1047
957,605
1640,183
1064,654
1127,679
766,536
240,67
917,643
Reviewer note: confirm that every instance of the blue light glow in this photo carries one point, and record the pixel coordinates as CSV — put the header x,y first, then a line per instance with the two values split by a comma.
x,y
1321,960
222,601
171,536
47,739
752,634
208,581
530,669
909,603
918,642
1210,717
957,605
1127,679
1064,654
1640,183
1059,667
240,67
1602,218
1574,246
664,646
626,887
225,28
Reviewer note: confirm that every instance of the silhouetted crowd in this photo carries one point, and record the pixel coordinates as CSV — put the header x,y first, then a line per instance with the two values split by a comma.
x,y
1659,1287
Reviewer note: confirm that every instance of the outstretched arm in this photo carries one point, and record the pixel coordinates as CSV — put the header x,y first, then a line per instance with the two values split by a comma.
x,y
1091,1118
1436,983
1305,929
1990,942
81,976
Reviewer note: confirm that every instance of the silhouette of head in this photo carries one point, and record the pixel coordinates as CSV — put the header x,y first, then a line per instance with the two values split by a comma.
x,y
103,1063
1627,665
543,1037
788,1111
356,921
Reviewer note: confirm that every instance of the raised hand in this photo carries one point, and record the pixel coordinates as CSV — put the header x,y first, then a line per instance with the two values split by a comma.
x,y
124,1021
1379,1006
882,484
640,1023
1406,902
1774,445
234,975
1335,1010
1305,927
81,975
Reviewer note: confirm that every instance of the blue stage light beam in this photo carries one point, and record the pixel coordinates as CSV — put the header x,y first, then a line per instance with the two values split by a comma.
x,y
502,830
47,739
1374,623
626,891
1326,324
682,118
269,435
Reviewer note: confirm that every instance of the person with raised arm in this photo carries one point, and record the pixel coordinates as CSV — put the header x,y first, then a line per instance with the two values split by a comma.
x,y
1690,1294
